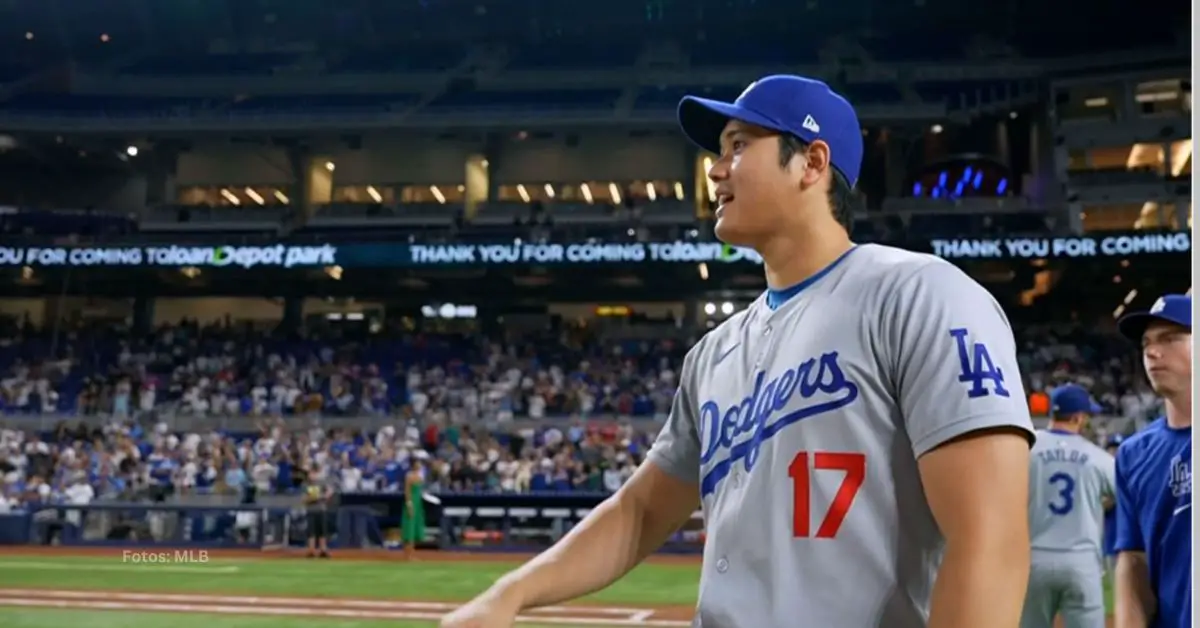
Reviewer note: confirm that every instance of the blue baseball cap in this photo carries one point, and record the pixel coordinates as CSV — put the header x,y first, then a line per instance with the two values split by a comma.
x,y
1173,308
804,107
1072,398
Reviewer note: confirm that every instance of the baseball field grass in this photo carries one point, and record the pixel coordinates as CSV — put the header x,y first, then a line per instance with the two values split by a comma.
x,y
108,589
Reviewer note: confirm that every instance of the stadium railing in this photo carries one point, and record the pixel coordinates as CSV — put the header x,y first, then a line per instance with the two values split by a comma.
x,y
453,521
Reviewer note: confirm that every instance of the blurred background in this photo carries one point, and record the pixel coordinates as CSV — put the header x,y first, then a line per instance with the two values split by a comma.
x,y
250,243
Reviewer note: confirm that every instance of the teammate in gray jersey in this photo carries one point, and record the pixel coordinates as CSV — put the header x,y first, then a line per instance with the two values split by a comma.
x,y
859,426
1071,483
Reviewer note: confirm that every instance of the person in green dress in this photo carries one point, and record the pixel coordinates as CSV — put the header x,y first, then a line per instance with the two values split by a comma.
x,y
413,529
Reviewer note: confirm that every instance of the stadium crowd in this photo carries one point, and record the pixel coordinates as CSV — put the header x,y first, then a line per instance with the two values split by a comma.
x,y
431,393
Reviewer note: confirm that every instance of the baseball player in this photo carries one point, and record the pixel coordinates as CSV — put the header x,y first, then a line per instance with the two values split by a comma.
x,y
1071,481
858,426
1154,478
1110,513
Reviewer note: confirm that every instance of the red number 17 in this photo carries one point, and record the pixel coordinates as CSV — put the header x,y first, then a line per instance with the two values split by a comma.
x,y
855,466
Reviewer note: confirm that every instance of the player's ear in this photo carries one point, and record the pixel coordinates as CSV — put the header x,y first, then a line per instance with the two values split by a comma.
x,y
817,162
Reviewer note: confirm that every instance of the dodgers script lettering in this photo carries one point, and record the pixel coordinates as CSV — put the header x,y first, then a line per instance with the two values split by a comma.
x,y
817,380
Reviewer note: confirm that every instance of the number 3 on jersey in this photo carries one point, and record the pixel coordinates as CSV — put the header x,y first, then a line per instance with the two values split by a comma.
x,y
852,464
1065,485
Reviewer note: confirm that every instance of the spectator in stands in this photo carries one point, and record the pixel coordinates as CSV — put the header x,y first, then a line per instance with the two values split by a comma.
x,y
427,394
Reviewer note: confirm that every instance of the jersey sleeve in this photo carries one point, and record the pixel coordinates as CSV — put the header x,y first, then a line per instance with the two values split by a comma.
x,y
677,448
953,358
1129,528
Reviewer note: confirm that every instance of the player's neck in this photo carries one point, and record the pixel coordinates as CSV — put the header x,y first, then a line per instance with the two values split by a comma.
x,y
1179,411
790,258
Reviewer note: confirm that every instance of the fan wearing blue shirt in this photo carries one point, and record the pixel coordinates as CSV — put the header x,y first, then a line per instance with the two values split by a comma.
x,y
1154,478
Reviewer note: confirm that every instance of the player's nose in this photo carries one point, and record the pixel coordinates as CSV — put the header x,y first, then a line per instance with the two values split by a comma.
x,y
719,171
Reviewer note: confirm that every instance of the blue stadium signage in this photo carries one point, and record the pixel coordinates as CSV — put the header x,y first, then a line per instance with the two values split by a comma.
x,y
278,255
524,253
1123,245
519,252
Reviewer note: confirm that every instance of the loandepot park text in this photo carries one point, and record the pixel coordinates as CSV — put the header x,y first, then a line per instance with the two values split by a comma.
x,y
207,256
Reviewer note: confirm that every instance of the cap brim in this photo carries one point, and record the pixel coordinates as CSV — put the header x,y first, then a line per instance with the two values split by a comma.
x,y
1132,326
703,120
1096,408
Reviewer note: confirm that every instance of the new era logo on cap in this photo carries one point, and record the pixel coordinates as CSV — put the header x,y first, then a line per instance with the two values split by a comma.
x,y
1159,305
811,124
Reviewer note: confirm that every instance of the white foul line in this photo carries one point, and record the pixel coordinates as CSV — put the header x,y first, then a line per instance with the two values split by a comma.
x,y
401,605
310,612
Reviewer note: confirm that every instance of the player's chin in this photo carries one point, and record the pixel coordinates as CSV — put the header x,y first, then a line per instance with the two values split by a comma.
x,y
729,231
1164,382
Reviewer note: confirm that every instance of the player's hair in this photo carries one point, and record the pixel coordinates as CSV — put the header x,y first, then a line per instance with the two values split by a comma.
x,y
844,199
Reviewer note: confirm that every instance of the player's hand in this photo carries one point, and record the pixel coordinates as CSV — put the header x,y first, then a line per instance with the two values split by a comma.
x,y
492,609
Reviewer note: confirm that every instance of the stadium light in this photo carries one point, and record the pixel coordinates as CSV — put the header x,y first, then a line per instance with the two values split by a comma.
x,y
233,200
587,193
937,128
131,150
522,192
727,308
615,192
255,196
329,166
710,308
374,194
437,194
679,190
281,197
549,190
651,193
28,36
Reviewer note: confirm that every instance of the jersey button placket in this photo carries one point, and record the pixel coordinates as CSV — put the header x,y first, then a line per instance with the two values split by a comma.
x,y
759,360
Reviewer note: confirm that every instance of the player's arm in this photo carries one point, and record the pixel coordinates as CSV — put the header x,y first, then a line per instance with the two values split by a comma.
x,y
978,490
623,530
616,536
953,358
1135,600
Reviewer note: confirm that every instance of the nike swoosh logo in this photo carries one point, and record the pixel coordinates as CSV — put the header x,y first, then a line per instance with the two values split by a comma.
x,y
1181,509
725,354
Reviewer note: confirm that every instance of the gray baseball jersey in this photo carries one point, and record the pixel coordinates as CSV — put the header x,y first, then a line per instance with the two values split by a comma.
x,y
1069,477
803,424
